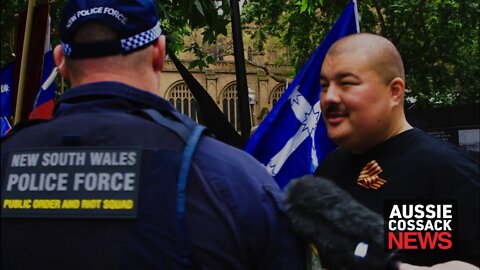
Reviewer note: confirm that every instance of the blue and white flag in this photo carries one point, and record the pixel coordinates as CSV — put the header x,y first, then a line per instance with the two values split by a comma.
x,y
6,87
5,126
292,140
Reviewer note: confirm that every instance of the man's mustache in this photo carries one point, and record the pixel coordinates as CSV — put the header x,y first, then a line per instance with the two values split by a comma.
x,y
333,110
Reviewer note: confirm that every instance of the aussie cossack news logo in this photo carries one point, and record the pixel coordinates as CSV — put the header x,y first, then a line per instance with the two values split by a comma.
x,y
420,225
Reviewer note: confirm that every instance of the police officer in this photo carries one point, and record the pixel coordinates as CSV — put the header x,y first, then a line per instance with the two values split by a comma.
x,y
119,180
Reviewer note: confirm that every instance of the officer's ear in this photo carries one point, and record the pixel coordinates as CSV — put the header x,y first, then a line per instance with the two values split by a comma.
x,y
158,58
59,58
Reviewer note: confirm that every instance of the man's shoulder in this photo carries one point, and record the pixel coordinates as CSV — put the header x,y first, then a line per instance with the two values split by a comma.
x,y
233,171
429,147
220,156
436,158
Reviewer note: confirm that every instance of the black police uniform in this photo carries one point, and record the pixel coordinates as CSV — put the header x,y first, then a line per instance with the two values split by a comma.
x,y
233,211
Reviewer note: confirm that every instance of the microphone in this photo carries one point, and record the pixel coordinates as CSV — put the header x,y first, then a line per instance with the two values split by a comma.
x,y
346,234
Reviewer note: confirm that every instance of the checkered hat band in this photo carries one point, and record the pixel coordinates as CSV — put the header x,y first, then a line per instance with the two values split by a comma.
x,y
67,50
111,47
141,39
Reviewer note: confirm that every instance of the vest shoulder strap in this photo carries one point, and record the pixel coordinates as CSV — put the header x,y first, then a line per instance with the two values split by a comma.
x,y
182,130
191,139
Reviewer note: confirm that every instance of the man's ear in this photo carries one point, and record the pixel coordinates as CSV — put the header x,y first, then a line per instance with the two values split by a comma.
x,y
159,53
397,88
59,58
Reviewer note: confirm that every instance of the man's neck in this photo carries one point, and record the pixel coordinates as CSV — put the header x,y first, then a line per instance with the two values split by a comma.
x,y
134,81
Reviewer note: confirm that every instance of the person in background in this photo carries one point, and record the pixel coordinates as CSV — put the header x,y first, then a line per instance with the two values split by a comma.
x,y
120,180
381,156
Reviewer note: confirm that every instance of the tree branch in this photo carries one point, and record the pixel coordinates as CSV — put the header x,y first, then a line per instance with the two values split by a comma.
x,y
277,78
383,27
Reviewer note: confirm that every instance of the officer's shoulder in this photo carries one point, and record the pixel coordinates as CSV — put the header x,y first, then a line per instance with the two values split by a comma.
x,y
211,150
21,126
211,146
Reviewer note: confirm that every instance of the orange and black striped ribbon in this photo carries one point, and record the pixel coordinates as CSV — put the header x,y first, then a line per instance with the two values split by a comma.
x,y
369,178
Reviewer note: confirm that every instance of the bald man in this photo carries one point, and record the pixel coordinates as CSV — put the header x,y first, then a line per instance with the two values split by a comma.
x,y
380,155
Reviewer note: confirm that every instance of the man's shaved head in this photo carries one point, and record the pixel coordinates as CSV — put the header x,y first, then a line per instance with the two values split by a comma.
x,y
382,54
363,89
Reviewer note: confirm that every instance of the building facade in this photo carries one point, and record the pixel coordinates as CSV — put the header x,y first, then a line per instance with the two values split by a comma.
x,y
219,80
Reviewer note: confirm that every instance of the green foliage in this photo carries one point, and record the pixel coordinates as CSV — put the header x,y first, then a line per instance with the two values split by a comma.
x,y
307,5
178,19
7,26
438,39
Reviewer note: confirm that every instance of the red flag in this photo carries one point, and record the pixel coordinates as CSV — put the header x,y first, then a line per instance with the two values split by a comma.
x,y
45,100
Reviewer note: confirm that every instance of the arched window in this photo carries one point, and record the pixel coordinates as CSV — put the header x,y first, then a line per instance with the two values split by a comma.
x,y
182,99
277,93
230,105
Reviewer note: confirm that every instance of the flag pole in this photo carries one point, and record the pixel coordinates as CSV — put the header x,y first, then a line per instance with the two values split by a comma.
x,y
62,88
356,15
23,64
241,73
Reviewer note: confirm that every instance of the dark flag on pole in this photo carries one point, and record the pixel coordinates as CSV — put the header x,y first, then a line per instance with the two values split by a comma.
x,y
210,115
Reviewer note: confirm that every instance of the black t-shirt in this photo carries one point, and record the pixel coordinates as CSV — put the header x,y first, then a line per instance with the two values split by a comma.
x,y
416,166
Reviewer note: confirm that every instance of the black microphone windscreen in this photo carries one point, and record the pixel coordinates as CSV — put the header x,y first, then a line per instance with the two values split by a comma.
x,y
338,226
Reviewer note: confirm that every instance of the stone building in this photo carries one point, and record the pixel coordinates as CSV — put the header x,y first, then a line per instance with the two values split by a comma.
x,y
219,80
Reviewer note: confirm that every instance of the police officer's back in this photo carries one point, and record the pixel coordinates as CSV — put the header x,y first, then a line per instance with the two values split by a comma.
x,y
119,180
